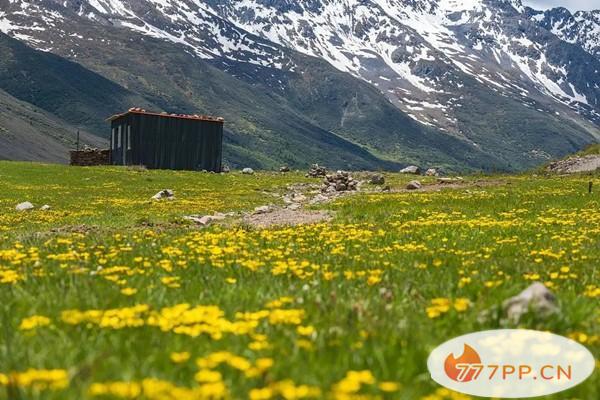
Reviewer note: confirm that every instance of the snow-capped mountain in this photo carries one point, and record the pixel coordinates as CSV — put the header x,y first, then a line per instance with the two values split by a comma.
x,y
419,53
582,27
442,63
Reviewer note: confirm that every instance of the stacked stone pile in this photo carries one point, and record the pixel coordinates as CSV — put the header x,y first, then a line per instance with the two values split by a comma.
x,y
341,181
316,171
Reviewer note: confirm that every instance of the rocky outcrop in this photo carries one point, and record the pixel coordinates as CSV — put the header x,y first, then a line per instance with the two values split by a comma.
x,y
575,165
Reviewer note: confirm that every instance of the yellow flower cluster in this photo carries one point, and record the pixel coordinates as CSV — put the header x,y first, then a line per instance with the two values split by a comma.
x,y
592,291
180,358
440,306
446,394
120,318
155,389
214,360
9,276
350,386
38,379
210,381
181,319
584,338
194,321
33,322
286,389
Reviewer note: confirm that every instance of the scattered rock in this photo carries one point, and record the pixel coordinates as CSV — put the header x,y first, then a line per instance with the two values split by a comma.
x,y
294,206
284,169
537,298
341,181
316,171
225,169
294,198
45,207
413,169
25,206
450,180
320,198
248,171
262,210
377,179
414,185
166,194
299,197
432,172
577,164
206,219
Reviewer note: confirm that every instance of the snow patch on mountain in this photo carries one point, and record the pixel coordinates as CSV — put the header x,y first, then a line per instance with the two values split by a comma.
x,y
417,53
582,27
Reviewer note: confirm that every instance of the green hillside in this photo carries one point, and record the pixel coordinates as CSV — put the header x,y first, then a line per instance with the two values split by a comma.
x,y
32,134
61,87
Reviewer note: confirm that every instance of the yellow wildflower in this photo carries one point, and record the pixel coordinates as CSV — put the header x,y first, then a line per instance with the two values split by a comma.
x,y
129,291
208,376
179,358
34,322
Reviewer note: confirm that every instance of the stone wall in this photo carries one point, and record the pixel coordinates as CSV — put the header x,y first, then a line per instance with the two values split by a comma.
x,y
90,157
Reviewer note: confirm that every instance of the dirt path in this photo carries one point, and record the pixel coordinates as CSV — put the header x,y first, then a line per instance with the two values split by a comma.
x,y
287,217
297,198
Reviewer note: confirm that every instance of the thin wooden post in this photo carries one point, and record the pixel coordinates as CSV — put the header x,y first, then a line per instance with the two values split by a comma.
x,y
590,187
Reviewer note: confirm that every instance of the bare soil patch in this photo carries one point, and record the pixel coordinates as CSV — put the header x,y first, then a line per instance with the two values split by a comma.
x,y
287,217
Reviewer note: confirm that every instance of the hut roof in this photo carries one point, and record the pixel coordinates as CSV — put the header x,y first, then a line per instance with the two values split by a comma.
x,y
141,111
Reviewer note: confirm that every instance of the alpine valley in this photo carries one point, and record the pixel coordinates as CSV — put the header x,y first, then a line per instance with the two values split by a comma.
x,y
355,84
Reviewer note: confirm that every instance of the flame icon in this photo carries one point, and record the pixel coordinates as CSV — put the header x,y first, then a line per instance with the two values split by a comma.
x,y
465,368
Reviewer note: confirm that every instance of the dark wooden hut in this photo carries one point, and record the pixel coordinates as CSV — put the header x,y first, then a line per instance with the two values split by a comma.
x,y
167,141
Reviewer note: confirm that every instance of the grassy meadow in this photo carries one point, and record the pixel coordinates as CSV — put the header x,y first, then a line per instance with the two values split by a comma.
x,y
112,296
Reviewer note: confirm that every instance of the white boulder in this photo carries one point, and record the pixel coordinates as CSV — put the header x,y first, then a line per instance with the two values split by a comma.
x,y
25,206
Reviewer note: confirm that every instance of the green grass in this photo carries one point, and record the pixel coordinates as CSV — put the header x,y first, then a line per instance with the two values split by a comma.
x,y
363,281
113,197
591,150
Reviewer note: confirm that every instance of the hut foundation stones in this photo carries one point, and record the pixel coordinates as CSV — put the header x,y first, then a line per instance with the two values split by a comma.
x,y
90,157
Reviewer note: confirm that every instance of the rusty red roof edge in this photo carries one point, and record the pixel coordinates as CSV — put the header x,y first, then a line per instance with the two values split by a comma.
x,y
195,117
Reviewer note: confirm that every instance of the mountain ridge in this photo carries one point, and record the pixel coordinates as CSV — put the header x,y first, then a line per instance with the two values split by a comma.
x,y
443,81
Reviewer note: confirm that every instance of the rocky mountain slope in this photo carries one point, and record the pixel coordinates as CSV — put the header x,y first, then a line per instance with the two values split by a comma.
x,y
28,133
582,27
463,84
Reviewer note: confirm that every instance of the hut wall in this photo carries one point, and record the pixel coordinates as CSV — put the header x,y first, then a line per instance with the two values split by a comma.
x,y
167,143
